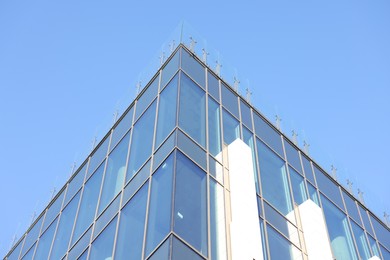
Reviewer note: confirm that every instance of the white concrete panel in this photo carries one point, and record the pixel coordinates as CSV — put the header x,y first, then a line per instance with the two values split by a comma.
x,y
244,227
374,258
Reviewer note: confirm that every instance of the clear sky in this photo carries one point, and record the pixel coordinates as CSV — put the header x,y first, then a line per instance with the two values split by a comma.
x,y
66,66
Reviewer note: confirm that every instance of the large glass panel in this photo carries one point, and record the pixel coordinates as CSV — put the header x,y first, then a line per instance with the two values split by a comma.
x,y
162,253
307,168
280,248
193,68
313,195
328,187
53,210
192,115
385,252
191,149
231,128
136,183
213,85
374,246
131,227
160,205
361,241
30,253
190,215
166,120
292,156
115,173
382,234
217,221
366,221
81,245
273,178
351,207
64,229
298,187
249,140
142,141
146,98
15,253
268,134
122,128
101,248
263,239
215,147
180,251
164,150
75,184
246,114
106,216
88,203
32,236
98,156
44,242
215,169
229,100
338,230
170,69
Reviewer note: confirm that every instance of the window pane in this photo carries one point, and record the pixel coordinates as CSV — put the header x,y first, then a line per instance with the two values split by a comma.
x,y
146,98
293,156
338,230
268,134
101,248
213,86
298,187
217,221
162,253
32,236
29,254
167,111
246,114
170,69
190,215
249,140
313,195
366,221
15,253
385,253
193,68
215,169
106,217
192,116
44,242
382,234
123,126
328,187
263,242
273,178
361,241
374,246
351,207
88,203
160,205
115,173
141,141
75,184
191,149
280,248
308,171
180,251
53,211
214,129
131,227
229,100
98,157
231,128
64,230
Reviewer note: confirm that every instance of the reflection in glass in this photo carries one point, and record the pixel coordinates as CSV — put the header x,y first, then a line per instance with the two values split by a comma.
x,y
131,227
142,140
166,120
273,178
361,241
231,128
248,139
298,187
313,195
44,242
190,214
279,247
214,129
101,248
192,106
160,205
217,221
338,230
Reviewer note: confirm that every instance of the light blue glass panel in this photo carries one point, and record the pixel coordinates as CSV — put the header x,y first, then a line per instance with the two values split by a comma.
x,y
366,221
307,168
246,117
385,253
106,216
338,230
259,206
122,128
215,169
53,210
351,207
164,150
162,253
136,182
32,236
374,246
180,251
215,146
15,253
193,68
98,156
280,248
313,195
213,85
170,69
249,140
217,221
273,178
115,173
230,100
102,247
84,255
361,242
190,214
293,156
64,229
298,187
191,149
45,241
146,98
328,187
131,227
192,107
160,205
88,203
263,239
30,253
81,245
268,134
382,234
166,120
231,128
141,141
75,184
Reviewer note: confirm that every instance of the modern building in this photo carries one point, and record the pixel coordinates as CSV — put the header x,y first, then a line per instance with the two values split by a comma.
x,y
191,170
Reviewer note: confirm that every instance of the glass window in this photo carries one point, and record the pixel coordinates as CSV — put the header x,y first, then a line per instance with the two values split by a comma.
x,y
190,215
229,100
64,229
193,68
142,141
44,242
106,216
180,251
231,128
249,140
15,253
98,157
268,134
338,230
29,254
246,114
160,205
366,221
351,207
75,184
166,120
192,115
136,183
280,248
298,187
307,168
146,98
32,236
215,169
215,147
385,252
53,211
162,253
328,187
101,248
131,227
313,195
88,203
374,246
170,69
361,241
217,221
122,128
213,85
83,256
81,245
273,178
192,149
164,150
382,234
115,173
292,156
263,241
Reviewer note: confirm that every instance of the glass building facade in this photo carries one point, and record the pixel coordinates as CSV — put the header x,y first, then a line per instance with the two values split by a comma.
x,y
160,185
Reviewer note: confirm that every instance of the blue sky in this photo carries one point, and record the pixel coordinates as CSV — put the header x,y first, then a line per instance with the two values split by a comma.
x,y
66,66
